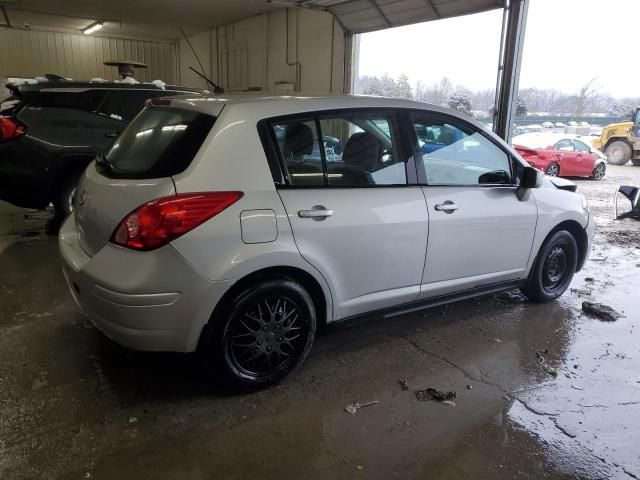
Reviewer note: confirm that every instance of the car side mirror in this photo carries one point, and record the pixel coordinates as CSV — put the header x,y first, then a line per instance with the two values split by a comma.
x,y
531,178
494,176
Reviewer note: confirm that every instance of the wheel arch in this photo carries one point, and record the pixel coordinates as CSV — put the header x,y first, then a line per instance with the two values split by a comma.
x,y
616,139
312,285
579,234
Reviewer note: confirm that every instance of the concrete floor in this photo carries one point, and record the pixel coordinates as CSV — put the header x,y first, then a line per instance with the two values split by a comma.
x,y
75,405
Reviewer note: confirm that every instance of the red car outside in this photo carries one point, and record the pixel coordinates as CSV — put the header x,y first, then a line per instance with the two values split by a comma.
x,y
561,155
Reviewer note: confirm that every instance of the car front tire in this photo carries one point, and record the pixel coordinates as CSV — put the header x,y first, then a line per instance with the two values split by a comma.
x,y
261,335
554,268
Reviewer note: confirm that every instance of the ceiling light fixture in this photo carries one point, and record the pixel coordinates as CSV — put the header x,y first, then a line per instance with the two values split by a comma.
x,y
94,27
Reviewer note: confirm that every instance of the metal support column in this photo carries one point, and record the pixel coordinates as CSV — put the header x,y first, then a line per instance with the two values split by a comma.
x,y
509,68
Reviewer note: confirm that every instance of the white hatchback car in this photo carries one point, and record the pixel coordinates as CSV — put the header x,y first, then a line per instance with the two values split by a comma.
x,y
238,224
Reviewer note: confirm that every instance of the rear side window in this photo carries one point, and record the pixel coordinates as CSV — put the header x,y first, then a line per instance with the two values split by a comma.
x,y
350,149
160,142
86,101
126,104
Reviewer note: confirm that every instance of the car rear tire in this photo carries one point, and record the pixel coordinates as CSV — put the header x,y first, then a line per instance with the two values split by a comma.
x,y
553,170
554,267
262,334
64,196
618,152
599,172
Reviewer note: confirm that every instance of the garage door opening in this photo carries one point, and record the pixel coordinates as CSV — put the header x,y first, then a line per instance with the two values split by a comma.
x,y
450,62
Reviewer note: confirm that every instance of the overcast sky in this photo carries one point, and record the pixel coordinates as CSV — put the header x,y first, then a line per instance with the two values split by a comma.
x,y
567,43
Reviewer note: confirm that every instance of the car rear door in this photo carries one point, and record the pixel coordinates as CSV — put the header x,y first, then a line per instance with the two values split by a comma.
x,y
567,157
356,213
480,233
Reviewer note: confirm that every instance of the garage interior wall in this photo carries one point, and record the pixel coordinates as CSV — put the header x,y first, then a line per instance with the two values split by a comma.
x,y
290,49
31,53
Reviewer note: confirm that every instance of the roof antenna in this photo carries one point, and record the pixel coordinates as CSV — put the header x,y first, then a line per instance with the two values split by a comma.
x,y
216,88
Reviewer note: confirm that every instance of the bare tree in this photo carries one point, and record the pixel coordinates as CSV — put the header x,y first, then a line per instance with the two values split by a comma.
x,y
586,96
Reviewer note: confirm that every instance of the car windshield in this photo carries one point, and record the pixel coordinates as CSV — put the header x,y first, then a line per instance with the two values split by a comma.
x,y
159,142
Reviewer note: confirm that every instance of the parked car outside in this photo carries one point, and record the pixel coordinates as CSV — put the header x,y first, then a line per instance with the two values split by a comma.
x,y
572,123
559,124
561,154
50,131
547,124
205,228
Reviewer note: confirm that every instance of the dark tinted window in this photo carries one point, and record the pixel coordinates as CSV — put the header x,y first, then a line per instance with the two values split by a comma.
x,y
159,142
111,106
87,101
126,104
9,104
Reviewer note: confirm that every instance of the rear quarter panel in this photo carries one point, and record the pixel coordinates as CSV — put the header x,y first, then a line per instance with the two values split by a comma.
x,y
232,159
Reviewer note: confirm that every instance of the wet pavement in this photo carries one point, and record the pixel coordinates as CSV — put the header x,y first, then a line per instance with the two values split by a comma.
x,y
74,405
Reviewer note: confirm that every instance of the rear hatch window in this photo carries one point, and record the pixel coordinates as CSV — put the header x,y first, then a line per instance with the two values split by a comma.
x,y
9,104
159,142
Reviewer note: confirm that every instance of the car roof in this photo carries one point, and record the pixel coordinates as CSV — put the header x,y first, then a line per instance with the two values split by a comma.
x,y
542,139
77,87
267,105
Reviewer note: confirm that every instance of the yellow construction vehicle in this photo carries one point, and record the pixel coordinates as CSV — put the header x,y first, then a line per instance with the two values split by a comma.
x,y
620,142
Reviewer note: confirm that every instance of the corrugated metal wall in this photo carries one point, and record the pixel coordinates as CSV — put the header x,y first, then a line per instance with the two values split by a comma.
x,y
34,53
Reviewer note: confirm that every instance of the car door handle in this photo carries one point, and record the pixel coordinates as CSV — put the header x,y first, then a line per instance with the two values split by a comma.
x,y
113,134
447,207
316,213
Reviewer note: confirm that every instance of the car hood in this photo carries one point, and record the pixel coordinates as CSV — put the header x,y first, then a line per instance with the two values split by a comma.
x,y
561,183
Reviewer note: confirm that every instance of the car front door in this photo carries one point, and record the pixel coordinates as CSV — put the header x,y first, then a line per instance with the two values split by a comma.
x,y
480,233
585,160
355,209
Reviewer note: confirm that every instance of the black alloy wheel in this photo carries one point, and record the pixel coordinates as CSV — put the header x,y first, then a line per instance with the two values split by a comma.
x,y
264,333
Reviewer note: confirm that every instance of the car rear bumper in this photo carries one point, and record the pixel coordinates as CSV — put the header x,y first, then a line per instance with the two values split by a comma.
x,y
152,301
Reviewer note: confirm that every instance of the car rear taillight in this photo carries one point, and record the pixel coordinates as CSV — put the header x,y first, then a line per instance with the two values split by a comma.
x,y
10,129
161,221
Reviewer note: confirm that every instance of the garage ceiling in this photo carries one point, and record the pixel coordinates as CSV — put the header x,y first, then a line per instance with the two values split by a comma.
x,y
358,16
163,18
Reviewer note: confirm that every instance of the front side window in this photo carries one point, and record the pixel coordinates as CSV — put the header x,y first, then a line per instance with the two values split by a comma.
x,y
455,154
345,149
